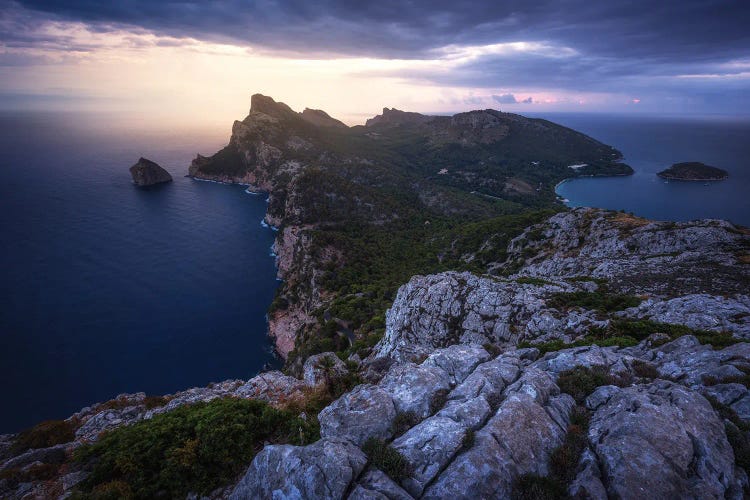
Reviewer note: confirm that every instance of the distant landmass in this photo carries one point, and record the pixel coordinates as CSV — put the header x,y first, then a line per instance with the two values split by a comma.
x,y
693,171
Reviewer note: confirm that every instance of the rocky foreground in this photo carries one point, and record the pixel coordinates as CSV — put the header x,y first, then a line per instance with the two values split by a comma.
x,y
613,363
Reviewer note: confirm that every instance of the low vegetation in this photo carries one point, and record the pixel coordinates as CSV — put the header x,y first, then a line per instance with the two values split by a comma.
x,y
627,333
581,381
600,300
383,456
194,448
563,464
44,435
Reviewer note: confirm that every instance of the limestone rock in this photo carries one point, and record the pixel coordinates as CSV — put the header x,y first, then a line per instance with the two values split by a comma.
x,y
147,173
321,470
367,411
414,388
374,484
323,367
661,440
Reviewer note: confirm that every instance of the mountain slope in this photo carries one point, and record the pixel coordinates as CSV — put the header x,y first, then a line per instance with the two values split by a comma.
x,y
361,209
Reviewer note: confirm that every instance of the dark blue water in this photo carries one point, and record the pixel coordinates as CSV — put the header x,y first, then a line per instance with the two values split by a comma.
x,y
106,288
652,144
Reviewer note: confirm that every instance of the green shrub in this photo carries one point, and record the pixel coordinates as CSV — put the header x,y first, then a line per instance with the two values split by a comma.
x,y
194,448
563,463
644,369
600,300
468,440
404,421
628,333
530,280
581,381
564,459
494,350
437,401
44,435
384,457
534,487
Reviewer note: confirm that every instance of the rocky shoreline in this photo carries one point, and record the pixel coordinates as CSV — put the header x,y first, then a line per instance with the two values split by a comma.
x,y
593,329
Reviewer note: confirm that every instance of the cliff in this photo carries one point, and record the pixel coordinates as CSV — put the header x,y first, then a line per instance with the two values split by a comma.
x,y
609,343
350,201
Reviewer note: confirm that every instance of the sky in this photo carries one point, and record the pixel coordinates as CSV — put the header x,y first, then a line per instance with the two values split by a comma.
x,y
201,60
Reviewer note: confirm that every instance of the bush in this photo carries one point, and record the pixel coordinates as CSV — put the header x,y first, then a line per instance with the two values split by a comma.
x,y
437,401
563,463
384,457
600,300
194,448
468,440
643,369
628,333
580,381
533,487
404,421
44,435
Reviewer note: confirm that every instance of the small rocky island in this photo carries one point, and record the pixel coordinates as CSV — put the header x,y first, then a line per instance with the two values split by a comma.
x,y
693,171
148,173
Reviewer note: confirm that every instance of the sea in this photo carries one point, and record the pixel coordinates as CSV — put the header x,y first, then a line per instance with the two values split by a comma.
x,y
108,288
651,144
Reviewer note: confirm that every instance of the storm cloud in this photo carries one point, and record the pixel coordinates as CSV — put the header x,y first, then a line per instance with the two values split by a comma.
x,y
630,47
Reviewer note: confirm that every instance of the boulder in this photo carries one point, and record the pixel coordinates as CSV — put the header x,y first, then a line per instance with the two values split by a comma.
x,y
659,440
365,412
322,368
321,470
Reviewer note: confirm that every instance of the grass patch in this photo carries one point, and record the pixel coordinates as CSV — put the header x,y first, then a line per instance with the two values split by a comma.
x,y
386,458
530,280
736,430
468,440
404,421
194,448
601,301
563,463
628,333
44,435
644,369
438,400
581,381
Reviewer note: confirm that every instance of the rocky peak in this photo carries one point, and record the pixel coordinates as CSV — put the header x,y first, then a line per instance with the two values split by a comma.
x,y
321,118
393,116
260,103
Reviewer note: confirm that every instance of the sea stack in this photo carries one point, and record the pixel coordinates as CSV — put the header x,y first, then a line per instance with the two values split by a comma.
x,y
148,173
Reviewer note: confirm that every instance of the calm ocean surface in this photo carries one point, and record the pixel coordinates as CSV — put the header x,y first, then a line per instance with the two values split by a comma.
x,y
653,144
106,288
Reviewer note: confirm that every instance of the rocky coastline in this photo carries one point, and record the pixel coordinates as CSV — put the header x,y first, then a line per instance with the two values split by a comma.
x,y
590,353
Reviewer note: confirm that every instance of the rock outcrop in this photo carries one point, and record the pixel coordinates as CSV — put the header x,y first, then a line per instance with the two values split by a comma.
x,y
501,418
147,173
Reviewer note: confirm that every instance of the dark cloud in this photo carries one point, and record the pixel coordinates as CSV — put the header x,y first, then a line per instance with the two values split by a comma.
x,y
505,99
667,30
528,100
625,46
